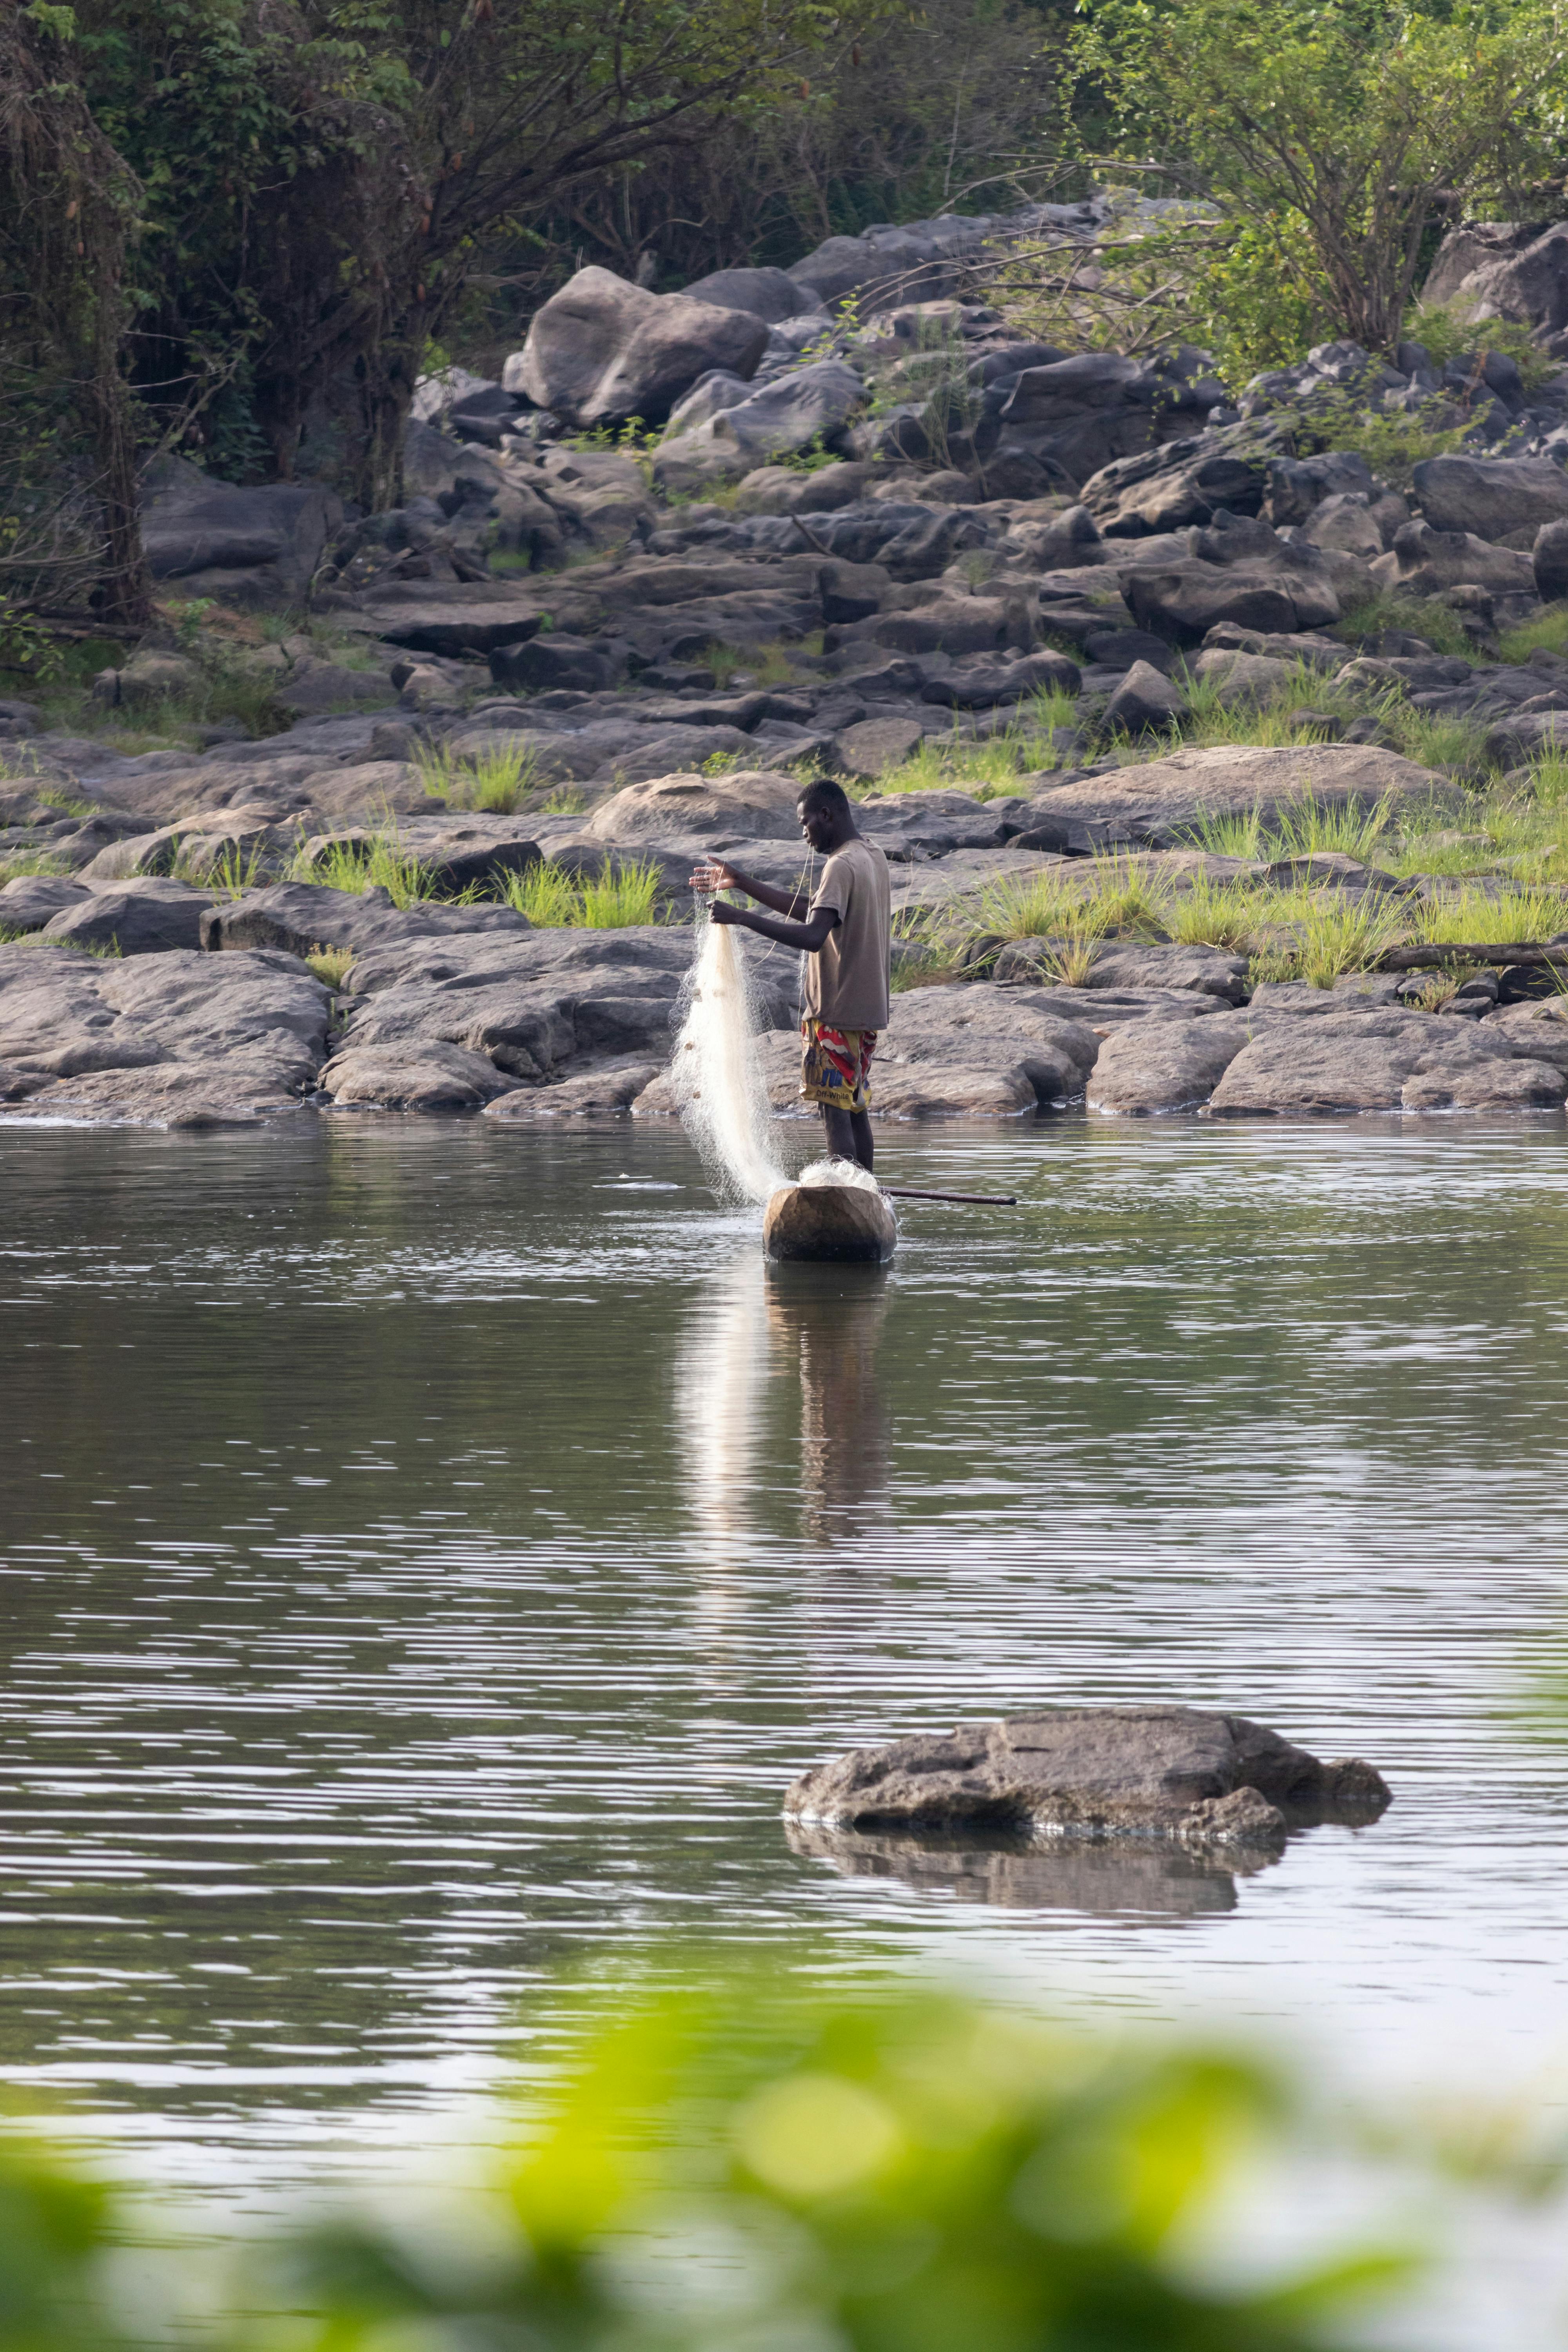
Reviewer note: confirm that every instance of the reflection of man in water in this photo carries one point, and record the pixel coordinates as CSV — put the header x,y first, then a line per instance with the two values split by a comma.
x,y
847,940
834,1328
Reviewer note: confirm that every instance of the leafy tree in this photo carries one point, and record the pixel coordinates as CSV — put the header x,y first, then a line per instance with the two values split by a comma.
x,y
1339,126
69,219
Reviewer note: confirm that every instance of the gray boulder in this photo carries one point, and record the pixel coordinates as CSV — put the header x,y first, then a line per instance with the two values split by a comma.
x,y
426,1074
553,662
780,419
609,1089
532,1006
1173,485
300,917
1503,269
1382,1060
1165,1066
602,349
1208,971
1164,801
1175,1771
1144,703
1425,562
1491,497
171,1039
263,545
767,294
146,919
30,900
1549,562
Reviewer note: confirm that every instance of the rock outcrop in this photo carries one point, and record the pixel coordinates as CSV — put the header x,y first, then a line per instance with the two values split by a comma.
x,y
1205,1778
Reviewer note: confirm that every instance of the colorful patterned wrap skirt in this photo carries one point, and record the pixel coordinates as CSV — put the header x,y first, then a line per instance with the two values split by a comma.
x,y
836,1066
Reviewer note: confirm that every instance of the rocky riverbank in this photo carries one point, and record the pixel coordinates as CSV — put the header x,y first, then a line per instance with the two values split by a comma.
x,y
1131,684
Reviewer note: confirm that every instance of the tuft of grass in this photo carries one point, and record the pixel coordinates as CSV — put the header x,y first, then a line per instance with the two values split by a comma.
x,y
1523,915
1435,741
988,767
1215,915
236,872
1418,616
18,862
1028,907
378,863
55,796
1549,628
617,902
1548,779
545,893
330,964
564,801
491,781
1342,937
1305,828
554,899
723,661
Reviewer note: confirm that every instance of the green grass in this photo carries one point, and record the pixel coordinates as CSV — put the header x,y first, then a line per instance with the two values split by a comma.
x,y
494,781
330,964
1418,616
1306,828
554,899
55,796
1549,628
18,861
764,666
235,873
988,769
565,801
1517,915
378,863
1435,741
1215,915
1335,940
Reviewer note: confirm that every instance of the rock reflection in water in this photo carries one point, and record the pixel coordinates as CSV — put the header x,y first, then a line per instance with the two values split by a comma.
x,y
1101,1877
829,1319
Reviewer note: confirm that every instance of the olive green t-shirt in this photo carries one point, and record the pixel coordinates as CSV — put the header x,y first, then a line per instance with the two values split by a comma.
x,y
846,979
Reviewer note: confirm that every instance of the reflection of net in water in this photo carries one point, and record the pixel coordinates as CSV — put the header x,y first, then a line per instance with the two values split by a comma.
x,y
716,1073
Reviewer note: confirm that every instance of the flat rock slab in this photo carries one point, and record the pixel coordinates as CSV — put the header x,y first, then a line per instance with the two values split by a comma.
x,y
146,918
252,1026
1384,1060
1172,1771
752,804
1166,1065
1152,802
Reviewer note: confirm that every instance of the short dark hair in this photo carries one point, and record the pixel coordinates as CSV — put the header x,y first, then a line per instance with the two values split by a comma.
x,y
823,793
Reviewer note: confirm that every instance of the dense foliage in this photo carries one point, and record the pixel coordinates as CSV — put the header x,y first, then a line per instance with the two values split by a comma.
x,y
892,2174
1332,138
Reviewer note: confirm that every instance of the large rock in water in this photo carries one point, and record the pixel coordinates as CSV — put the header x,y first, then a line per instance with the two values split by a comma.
x,y
1162,1770
829,1225
603,349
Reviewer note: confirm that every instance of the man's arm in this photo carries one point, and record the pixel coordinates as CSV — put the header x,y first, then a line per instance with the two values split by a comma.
x,y
716,875
808,936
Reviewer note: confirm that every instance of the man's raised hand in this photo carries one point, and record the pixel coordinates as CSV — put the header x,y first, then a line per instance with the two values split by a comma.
x,y
713,874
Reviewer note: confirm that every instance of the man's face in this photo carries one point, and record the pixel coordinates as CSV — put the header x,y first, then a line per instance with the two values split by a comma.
x,y
816,825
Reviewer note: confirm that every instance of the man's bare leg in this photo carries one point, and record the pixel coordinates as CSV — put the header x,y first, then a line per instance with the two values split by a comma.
x,y
849,1135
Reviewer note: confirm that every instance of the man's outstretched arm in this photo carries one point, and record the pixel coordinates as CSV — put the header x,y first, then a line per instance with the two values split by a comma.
x,y
808,936
716,875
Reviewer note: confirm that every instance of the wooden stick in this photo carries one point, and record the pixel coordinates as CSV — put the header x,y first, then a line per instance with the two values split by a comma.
x,y
1427,958
977,1200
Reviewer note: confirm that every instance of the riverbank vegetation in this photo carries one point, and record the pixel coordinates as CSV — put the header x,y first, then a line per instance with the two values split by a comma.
x,y
732,2163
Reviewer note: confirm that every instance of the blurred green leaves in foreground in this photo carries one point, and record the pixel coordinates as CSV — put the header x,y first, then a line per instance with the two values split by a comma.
x,y
746,2169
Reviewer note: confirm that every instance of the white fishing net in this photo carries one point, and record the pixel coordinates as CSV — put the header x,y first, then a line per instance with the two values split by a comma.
x,y
716,1073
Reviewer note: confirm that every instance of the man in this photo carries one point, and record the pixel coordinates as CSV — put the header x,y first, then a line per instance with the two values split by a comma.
x,y
847,939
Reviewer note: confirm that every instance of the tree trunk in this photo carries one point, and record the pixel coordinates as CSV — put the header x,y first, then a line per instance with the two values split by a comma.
x,y
127,587
388,374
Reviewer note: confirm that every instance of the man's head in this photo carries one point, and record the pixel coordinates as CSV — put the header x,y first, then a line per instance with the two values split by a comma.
x,y
824,816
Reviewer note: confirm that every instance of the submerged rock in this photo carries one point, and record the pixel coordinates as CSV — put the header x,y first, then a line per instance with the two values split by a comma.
x,y
1171,1771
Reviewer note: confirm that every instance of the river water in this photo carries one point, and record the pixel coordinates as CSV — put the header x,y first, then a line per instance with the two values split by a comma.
x,y
430,1550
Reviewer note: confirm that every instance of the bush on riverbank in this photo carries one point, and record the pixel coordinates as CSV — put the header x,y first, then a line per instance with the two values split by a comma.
x,y
884,2173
